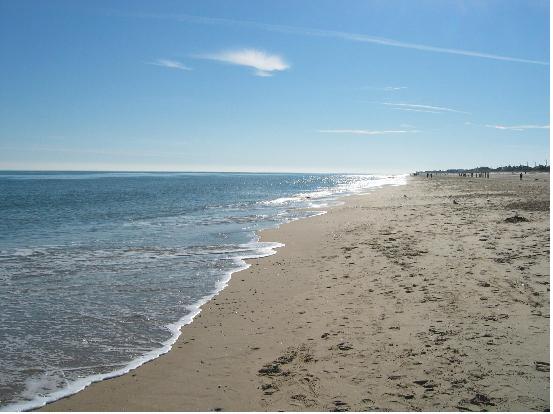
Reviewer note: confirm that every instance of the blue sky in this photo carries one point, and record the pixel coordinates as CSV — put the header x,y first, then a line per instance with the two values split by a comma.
x,y
324,86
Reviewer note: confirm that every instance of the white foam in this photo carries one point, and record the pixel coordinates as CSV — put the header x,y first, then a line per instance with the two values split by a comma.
x,y
260,249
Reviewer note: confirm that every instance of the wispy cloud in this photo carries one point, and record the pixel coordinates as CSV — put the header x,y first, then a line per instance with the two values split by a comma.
x,y
421,108
170,64
394,88
363,131
263,63
353,37
384,88
517,127
416,110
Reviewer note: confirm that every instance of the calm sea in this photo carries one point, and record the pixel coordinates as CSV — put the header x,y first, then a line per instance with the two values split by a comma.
x,y
99,271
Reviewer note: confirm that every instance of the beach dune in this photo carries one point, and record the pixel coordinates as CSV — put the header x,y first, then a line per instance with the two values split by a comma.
x,y
429,296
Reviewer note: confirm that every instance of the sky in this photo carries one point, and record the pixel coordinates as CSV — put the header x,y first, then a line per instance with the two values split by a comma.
x,y
376,86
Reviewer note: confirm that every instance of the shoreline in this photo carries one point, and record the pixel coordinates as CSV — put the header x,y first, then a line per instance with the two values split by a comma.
x,y
267,248
216,382
175,328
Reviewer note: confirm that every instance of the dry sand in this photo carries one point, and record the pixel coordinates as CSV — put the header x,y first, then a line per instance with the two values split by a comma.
x,y
402,299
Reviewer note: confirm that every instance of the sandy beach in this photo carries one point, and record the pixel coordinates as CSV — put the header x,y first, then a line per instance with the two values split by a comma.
x,y
429,296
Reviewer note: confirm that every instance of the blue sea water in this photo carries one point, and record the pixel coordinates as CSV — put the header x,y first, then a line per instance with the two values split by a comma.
x,y
99,271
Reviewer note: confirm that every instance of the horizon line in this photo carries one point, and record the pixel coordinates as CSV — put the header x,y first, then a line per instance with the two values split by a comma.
x,y
190,171
248,172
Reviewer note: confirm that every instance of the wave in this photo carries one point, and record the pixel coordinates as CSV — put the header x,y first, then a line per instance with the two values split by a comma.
x,y
258,249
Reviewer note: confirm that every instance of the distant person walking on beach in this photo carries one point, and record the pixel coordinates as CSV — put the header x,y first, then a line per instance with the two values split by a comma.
x,y
520,176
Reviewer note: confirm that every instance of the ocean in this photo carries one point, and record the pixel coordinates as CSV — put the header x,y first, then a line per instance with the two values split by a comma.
x,y
99,271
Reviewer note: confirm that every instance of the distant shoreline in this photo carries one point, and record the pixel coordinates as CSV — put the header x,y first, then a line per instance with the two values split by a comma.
x,y
497,170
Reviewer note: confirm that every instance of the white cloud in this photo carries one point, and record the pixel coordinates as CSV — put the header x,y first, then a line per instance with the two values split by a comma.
x,y
518,127
422,108
263,63
353,37
171,64
363,131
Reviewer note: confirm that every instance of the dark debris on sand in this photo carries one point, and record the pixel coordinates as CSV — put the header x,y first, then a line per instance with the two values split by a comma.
x,y
481,399
515,219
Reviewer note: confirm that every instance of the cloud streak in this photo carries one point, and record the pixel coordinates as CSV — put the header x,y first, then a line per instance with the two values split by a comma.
x,y
417,110
422,108
384,88
170,64
265,64
352,37
363,131
517,127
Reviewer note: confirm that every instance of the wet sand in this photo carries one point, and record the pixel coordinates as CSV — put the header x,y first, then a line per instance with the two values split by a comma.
x,y
418,297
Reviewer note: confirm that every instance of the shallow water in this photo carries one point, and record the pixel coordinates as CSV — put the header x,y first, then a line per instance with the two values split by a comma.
x,y
100,270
